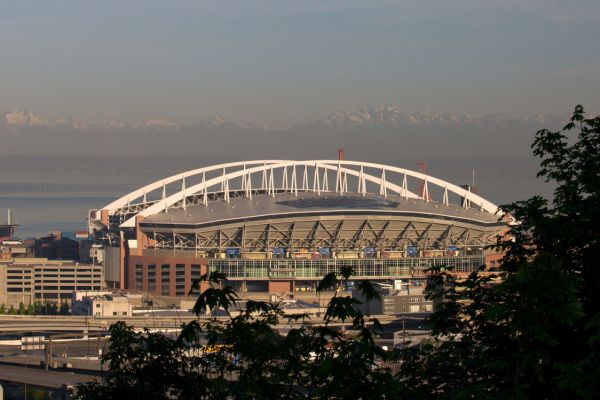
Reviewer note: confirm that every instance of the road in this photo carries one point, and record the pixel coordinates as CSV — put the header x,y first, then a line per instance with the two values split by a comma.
x,y
24,367
42,378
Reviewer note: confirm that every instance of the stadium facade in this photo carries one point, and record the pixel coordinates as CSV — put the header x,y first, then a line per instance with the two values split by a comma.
x,y
278,226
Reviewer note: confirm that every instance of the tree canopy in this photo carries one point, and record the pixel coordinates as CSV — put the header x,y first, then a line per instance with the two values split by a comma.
x,y
531,331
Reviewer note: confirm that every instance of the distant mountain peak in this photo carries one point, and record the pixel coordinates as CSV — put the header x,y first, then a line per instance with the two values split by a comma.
x,y
380,117
26,118
218,122
392,116
159,124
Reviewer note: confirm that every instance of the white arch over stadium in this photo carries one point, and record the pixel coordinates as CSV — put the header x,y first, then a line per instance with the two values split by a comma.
x,y
342,168
124,200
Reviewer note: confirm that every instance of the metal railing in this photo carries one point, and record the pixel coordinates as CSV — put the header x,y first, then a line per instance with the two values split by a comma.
x,y
364,267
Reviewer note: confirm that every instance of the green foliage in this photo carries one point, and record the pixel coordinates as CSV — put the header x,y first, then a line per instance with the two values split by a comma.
x,y
30,310
535,332
245,357
38,308
21,309
2,309
531,332
11,310
64,308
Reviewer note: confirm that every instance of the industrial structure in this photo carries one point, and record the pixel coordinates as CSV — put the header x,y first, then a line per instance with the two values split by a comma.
x,y
279,226
7,230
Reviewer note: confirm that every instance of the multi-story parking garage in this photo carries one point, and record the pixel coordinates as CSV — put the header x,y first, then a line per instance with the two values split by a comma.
x,y
280,225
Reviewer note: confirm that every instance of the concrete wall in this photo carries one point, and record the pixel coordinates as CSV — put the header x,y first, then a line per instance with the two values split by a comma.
x,y
280,286
112,266
108,308
3,298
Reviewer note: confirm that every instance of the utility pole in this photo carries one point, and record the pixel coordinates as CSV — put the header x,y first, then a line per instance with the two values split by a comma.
x,y
403,332
48,354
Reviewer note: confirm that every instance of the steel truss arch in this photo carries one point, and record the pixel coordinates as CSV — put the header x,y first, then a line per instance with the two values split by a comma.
x,y
383,178
143,191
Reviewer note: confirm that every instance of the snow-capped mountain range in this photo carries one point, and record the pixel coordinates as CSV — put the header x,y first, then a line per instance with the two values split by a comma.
x,y
393,117
25,118
390,116
384,116
385,132
22,118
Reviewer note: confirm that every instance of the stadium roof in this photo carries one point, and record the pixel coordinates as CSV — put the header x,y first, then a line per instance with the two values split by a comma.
x,y
256,188
284,205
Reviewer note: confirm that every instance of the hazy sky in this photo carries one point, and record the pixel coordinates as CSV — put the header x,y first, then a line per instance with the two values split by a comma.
x,y
282,62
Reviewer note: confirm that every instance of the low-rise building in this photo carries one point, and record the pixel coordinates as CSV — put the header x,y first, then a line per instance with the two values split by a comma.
x,y
101,304
38,279
395,299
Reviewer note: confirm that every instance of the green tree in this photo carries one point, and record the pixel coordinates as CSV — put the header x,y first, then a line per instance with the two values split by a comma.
x,y
30,309
11,310
21,308
536,332
64,308
2,310
249,358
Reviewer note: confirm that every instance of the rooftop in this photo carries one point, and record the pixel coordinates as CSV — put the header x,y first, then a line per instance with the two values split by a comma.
x,y
308,203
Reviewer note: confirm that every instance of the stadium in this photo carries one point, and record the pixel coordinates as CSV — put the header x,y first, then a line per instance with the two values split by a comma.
x,y
278,226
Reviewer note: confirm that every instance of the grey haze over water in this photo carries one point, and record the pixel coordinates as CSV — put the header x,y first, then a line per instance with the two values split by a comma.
x,y
55,193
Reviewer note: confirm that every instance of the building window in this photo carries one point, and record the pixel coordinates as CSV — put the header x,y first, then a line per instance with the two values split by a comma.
x,y
165,279
195,273
139,276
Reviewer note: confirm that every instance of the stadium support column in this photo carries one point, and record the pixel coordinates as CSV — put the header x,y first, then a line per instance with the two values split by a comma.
x,y
104,217
122,261
142,239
